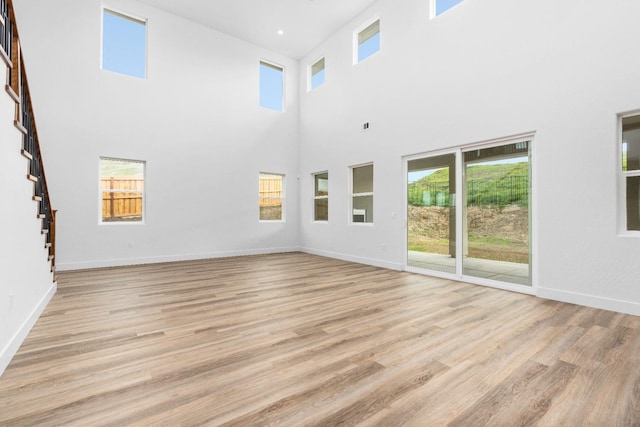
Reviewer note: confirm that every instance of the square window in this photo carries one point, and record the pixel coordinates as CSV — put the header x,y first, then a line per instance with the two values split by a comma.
x,y
121,190
630,170
317,74
362,194
368,41
271,197
271,86
321,196
124,44
441,6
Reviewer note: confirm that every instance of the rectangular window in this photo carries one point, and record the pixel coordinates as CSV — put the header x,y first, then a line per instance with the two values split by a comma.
x,y
368,41
321,196
439,7
271,86
362,193
122,190
317,74
631,169
124,44
271,197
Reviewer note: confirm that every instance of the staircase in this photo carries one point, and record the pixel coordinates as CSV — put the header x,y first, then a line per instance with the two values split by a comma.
x,y
17,87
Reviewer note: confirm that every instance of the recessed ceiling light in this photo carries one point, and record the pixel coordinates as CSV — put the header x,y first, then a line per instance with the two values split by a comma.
x,y
280,32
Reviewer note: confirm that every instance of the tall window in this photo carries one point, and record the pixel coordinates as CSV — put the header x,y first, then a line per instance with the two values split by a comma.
x,y
631,169
271,197
439,7
124,44
271,86
468,212
362,193
368,41
122,190
316,74
321,196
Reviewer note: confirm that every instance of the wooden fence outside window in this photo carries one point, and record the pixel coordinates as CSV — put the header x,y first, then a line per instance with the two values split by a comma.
x,y
122,198
270,191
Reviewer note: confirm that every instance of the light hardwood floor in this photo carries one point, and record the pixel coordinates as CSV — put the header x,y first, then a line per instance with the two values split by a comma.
x,y
296,339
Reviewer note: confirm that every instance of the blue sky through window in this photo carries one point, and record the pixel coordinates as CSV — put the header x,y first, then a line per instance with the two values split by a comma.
x,y
124,45
444,5
368,47
271,86
317,79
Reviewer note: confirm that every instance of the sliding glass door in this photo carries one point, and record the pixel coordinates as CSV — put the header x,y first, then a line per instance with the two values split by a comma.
x,y
431,217
496,213
489,238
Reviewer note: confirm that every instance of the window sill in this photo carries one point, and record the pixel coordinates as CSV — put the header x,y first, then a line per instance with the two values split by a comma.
x,y
629,233
125,223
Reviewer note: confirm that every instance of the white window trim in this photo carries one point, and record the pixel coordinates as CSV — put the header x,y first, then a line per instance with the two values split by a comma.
x,y
352,194
133,17
143,192
310,75
313,189
356,44
432,9
282,198
284,88
622,179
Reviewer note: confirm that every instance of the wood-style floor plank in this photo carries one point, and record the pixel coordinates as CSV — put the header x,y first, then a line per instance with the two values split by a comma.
x,y
296,339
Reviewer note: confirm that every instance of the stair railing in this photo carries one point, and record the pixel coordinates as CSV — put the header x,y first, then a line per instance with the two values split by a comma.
x,y
18,88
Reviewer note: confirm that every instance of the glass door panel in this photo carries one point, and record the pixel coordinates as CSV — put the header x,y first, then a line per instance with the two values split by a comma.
x,y
431,213
496,200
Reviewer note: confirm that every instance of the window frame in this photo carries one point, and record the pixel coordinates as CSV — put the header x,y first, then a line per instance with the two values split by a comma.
x,y
353,194
310,74
274,66
356,39
623,177
102,191
322,197
131,17
282,197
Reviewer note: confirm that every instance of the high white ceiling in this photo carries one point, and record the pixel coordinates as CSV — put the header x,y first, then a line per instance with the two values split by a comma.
x,y
304,23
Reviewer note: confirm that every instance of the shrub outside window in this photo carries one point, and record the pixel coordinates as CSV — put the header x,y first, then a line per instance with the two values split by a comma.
x,y
321,196
121,190
271,197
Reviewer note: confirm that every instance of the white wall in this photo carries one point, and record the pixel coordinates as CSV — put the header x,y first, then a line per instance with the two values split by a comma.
x,y
26,282
195,121
485,69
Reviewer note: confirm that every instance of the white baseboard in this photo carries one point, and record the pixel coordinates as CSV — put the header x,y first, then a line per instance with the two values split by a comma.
x,y
610,304
351,258
18,338
169,258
